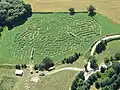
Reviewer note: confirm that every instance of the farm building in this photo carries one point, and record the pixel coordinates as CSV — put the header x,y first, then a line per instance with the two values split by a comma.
x,y
19,72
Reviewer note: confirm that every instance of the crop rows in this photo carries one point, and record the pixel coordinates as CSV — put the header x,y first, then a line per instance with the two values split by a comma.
x,y
54,36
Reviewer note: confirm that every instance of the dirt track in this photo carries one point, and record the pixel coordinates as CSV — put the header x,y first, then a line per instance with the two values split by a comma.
x,y
110,8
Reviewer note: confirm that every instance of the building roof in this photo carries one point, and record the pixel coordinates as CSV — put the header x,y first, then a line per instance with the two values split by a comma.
x,y
19,72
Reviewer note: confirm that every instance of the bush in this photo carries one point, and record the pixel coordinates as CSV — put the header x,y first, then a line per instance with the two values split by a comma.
x,y
17,67
97,85
102,69
46,64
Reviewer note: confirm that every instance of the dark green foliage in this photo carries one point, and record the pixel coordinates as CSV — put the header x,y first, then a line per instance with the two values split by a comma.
x,y
97,85
98,74
63,61
93,64
72,11
111,58
114,77
106,60
110,72
92,78
79,83
46,63
71,59
17,67
1,29
102,69
116,67
22,66
36,67
25,66
117,56
91,10
106,88
13,11
101,47
41,67
81,75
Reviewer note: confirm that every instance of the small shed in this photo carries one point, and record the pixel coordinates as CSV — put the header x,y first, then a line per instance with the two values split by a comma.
x,y
19,72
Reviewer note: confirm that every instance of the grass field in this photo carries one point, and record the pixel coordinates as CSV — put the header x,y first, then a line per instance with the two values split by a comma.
x,y
7,79
59,81
111,50
56,35
110,8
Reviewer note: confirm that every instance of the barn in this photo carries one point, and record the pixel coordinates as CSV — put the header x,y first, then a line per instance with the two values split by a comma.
x,y
19,72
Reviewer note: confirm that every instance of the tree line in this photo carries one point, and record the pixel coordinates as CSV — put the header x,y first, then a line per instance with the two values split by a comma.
x,y
71,59
91,11
13,13
107,79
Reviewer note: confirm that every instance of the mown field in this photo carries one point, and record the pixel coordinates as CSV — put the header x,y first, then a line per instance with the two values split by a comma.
x,y
7,79
111,49
57,35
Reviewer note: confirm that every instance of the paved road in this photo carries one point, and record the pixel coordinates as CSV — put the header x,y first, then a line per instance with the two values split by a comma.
x,y
105,38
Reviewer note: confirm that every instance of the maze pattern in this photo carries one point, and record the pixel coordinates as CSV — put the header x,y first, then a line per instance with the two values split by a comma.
x,y
54,36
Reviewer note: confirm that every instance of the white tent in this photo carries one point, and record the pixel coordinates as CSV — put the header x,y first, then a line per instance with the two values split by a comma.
x,y
19,72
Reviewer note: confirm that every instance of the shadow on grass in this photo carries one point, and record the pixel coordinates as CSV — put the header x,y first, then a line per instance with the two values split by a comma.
x,y
18,22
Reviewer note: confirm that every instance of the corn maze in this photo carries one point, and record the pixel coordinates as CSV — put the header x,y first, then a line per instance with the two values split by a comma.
x,y
54,35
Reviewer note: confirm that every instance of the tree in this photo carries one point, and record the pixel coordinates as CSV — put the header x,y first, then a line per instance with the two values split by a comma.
x,y
91,10
17,67
116,67
101,47
93,63
97,85
36,67
93,78
102,69
81,75
25,66
117,56
114,77
72,11
47,62
74,85
111,58
110,72
22,66
106,60
13,12
98,74
63,61
106,88
41,66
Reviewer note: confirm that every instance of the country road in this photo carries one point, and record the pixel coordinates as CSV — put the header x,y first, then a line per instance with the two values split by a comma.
x,y
105,38
62,69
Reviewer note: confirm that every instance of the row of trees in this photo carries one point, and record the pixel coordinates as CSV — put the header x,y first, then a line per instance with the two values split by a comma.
x,y
23,66
111,79
107,79
116,57
91,10
79,84
71,59
13,13
45,64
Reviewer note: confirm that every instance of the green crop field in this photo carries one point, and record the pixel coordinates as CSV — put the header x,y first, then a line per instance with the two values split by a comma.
x,y
57,35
